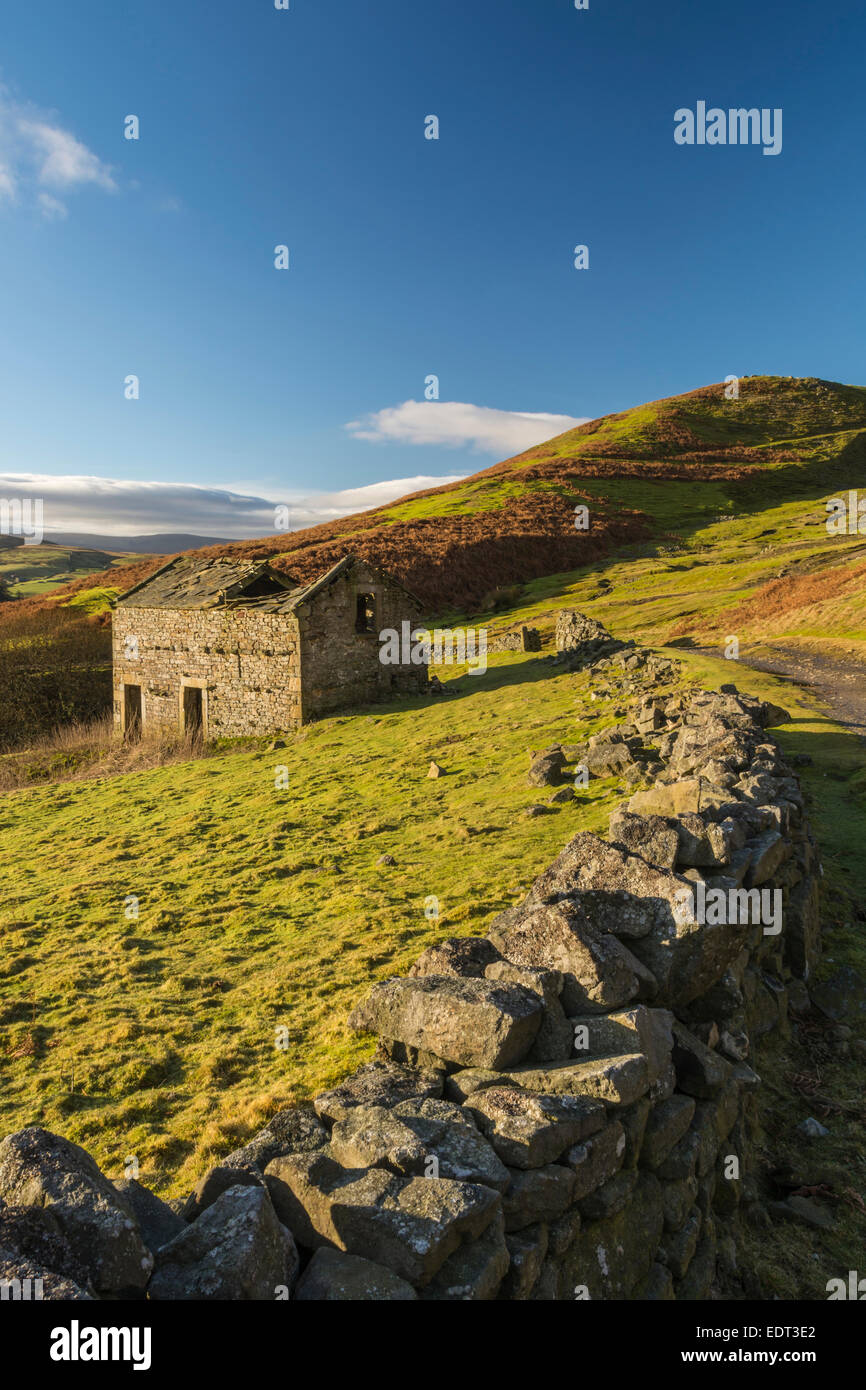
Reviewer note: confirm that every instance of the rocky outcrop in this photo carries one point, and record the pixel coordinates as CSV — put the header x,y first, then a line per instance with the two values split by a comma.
x,y
564,1108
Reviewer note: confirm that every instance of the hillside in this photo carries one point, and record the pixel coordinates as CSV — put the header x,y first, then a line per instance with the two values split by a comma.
x,y
31,570
654,475
707,518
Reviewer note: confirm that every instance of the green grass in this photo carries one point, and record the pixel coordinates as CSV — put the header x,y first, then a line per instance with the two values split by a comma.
x,y
39,569
258,908
648,590
261,908
93,600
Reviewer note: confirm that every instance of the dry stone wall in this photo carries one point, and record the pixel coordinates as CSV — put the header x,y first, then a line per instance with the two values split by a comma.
x,y
563,1108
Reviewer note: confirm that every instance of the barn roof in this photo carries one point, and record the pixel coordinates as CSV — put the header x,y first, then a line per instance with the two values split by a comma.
x,y
190,583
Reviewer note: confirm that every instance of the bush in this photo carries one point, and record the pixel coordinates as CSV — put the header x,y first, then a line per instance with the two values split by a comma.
x,y
499,599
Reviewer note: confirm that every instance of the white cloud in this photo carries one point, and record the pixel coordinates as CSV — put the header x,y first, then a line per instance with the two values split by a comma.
x,y
456,424
108,506
51,207
39,158
62,160
7,182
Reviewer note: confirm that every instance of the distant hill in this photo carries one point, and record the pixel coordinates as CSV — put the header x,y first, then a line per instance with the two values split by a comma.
x,y
167,544
648,476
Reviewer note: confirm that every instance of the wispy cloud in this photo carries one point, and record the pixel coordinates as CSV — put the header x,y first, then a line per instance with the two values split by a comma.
x,y
40,159
108,506
457,424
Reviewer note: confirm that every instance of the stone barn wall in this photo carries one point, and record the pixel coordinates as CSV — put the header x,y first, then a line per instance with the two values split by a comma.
x,y
340,666
247,662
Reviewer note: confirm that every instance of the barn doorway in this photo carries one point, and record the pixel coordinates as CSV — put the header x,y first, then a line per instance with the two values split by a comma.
x,y
192,711
132,711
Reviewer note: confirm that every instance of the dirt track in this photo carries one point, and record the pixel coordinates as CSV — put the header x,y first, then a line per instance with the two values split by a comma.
x,y
839,681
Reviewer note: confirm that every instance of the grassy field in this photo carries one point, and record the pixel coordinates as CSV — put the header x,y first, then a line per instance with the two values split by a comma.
x,y
262,907
698,584
32,570
258,907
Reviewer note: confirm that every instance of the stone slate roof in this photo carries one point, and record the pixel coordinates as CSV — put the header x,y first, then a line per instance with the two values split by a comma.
x,y
190,583
196,584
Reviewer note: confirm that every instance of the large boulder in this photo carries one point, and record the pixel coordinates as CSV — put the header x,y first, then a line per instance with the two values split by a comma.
x,y
31,1239
22,1280
598,971
546,769
575,631
332,1276
158,1222
414,1143
651,837
41,1169
214,1183
474,1273
610,1258
236,1250
467,956
630,1031
409,1224
294,1130
615,891
666,1126
473,1022
614,1080
553,1041
537,1194
375,1083
529,1130
597,1159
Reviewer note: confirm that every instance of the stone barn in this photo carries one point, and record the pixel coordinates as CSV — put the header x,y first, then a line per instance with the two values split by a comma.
x,y
225,647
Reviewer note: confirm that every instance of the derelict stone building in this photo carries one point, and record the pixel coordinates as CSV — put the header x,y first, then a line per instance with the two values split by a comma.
x,y
225,647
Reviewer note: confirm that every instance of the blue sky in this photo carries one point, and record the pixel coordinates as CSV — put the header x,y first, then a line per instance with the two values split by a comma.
x,y
409,257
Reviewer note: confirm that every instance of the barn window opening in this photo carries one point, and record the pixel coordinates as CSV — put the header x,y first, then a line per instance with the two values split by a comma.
x,y
365,613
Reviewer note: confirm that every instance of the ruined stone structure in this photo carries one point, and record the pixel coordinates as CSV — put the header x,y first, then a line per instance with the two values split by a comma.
x,y
228,648
524,639
564,1108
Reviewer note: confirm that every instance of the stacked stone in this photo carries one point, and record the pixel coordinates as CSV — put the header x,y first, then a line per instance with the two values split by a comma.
x,y
564,1108
525,639
582,641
